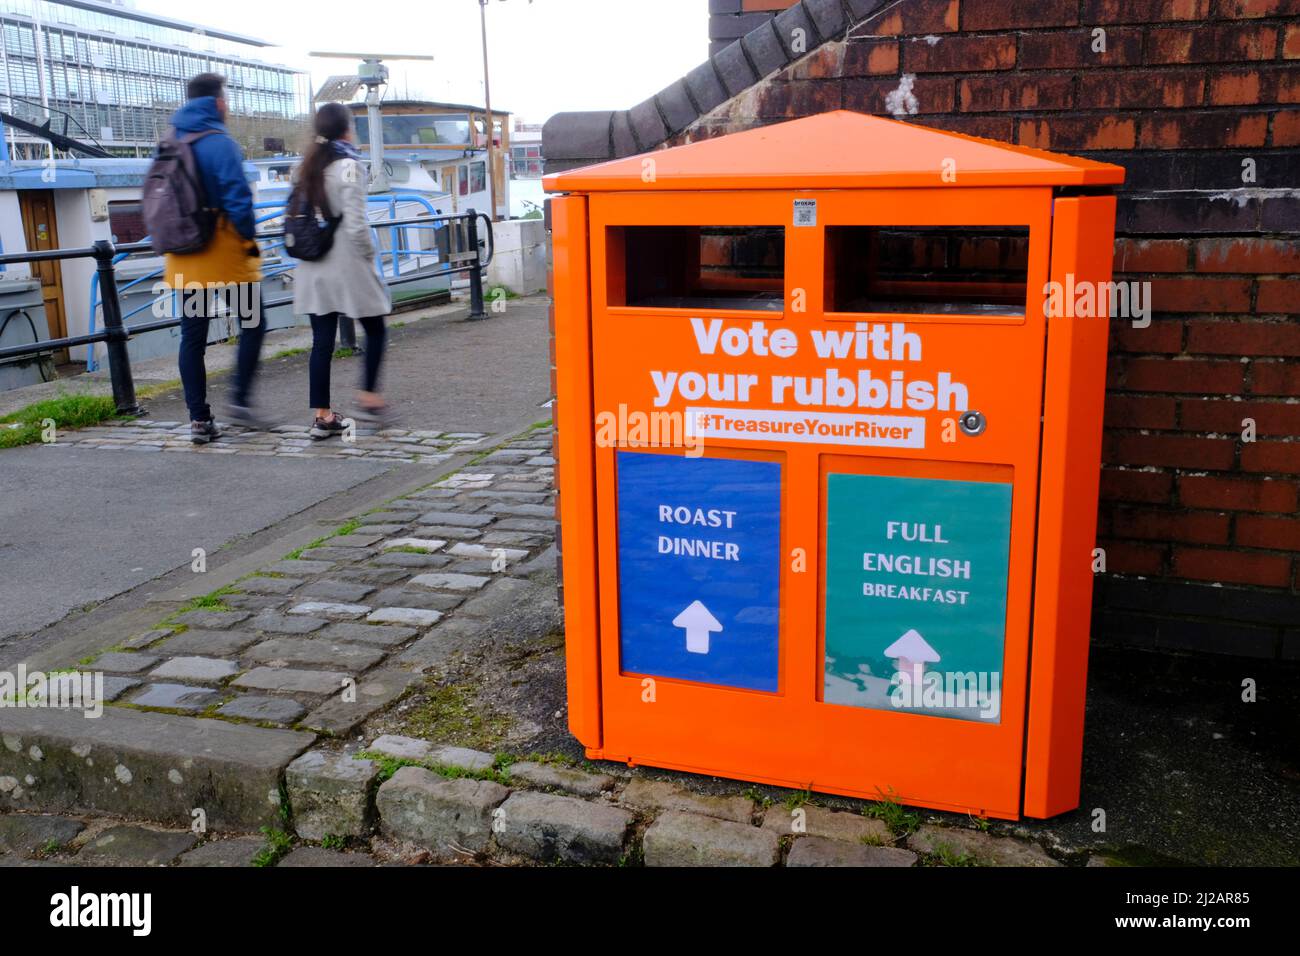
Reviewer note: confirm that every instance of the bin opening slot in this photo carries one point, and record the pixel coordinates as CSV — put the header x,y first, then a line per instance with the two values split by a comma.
x,y
697,267
963,270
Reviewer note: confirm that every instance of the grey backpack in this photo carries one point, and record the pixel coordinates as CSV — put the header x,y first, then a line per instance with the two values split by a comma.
x,y
175,205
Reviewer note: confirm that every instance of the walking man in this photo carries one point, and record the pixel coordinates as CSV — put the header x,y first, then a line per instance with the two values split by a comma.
x,y
225,276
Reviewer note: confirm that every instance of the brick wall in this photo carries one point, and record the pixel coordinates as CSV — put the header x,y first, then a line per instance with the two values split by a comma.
x,y
729,20
1200,526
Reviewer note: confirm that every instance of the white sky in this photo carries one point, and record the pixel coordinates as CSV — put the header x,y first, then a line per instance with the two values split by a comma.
x,y
546,56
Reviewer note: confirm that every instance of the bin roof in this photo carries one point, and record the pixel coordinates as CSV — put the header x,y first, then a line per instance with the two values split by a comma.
x,y
835,150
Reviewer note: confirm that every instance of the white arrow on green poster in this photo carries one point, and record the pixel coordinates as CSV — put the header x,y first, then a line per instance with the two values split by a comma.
x,y
911,653
698,624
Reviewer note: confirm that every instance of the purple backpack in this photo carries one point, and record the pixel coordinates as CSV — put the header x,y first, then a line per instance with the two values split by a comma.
x,y
175,205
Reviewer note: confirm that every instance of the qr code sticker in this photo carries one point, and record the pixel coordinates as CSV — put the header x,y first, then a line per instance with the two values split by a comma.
x,y
805,212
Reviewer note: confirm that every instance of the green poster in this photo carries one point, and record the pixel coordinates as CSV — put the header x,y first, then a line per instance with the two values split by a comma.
x,y
916,594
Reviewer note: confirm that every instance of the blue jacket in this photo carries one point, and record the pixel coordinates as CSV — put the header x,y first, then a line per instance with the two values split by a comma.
x,y
221,163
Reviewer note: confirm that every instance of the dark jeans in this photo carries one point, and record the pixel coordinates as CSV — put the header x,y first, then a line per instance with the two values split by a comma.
x,y
324,329
196,312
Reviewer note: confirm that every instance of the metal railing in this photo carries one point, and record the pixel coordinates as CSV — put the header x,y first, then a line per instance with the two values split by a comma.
x,y
115,334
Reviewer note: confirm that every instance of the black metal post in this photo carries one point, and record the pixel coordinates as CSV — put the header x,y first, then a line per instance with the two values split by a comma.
x,y
119,362
476,310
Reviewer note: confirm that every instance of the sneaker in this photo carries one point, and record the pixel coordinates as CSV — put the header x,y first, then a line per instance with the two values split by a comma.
x,y
323,428
378,416
246,416
203,432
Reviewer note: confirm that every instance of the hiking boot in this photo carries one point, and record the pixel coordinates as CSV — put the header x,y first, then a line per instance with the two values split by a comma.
x,y
323,428
201,433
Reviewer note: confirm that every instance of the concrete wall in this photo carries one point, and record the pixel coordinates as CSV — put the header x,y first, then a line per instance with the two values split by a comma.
x,y
519,262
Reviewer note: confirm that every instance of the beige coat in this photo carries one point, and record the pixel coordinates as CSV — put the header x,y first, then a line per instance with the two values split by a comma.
x,y
346,280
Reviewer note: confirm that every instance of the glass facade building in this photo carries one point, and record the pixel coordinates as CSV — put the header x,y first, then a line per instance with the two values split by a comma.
x,y
118,73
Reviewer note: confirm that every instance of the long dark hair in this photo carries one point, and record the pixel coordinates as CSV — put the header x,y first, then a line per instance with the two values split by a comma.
x,y
332,122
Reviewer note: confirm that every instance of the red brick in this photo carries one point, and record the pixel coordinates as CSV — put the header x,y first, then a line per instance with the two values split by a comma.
x,y
1291,43
985,125
826,62
1191,376
959,53
1165,337
1152,255
1018,14
1232,567
1286,128
1033,92
1281,295
1248,255
1212,43
1210,415
1137,89
1196,527
1143,11
1249,9
1220,129
797,98
1062,50
870,57
911,18
1253,86
1147,487
934,94
1274,378
1271,457
1123,557
1251,337
1237,494
1195,294
1260,531
1131,411
1173,451
1109,132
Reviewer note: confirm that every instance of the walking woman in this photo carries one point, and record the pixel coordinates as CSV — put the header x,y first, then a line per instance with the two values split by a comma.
x,y
345,281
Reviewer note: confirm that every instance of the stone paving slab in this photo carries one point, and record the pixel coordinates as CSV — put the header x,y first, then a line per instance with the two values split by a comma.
x,y
449,818
200,643
689,839
310,652
315,856
646,794
546,827
27,833
830,824
548,777
820,851
981,848
288,680
136,846
175,697
374,691
196,670
268,710
236,852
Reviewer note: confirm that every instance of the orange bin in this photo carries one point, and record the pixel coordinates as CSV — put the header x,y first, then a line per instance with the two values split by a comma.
x,y
829,406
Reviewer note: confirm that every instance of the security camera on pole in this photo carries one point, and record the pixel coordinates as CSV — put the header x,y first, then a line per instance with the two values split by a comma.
x,y
373,75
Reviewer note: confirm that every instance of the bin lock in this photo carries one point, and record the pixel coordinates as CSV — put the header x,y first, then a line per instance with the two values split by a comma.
x,y
973,423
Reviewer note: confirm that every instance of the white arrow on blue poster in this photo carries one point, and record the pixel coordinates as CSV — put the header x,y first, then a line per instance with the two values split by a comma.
x,y
698,624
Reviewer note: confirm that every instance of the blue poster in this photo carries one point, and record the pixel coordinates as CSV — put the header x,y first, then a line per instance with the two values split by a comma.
x,y
699,569
916,594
